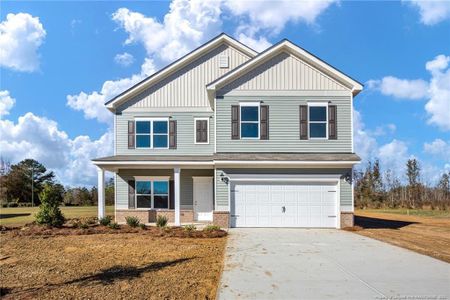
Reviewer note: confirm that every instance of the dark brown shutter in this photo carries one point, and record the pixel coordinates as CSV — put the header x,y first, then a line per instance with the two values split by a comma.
x,y
235,122
171,195
303,122
264,123
201,131
131,196
332,129
131,135
173,134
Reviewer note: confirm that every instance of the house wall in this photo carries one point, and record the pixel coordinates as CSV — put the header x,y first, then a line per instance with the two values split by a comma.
x,y
222,202
186,86
284,124
284,72
186,184
185,134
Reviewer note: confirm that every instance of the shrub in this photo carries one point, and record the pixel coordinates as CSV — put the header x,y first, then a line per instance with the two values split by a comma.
x,y
211,228
161,221
132,221
190,228
105,221
49,212
83,226
142,226
114,225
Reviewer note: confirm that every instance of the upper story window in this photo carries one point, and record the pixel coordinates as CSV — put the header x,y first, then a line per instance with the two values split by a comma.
x,y
152,133
201,130
318,125
249,120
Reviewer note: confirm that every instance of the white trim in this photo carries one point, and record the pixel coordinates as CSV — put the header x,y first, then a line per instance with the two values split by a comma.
x,y
318,104
195,130
201,177
101,192
150,178
198,179
179,64
351,122
353,193
285,179
284,162
286,45
338,205
151,134
115,196
250,104
215,189
115,132
176,181
215,126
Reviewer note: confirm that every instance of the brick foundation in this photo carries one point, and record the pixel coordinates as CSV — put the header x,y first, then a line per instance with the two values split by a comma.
x,y
346,219
221,219
149,216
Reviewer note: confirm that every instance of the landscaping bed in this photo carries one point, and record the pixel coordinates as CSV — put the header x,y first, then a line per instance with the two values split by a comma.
x,y
99,262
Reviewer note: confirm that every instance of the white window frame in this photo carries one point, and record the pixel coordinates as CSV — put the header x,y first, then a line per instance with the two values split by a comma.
x,y
195,131
151,120
152,195
250,104
318,104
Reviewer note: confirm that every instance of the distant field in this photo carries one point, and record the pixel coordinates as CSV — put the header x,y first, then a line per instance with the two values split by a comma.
x,y
411,212
17,216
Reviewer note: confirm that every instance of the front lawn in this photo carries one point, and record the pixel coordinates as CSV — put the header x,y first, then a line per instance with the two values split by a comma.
x,y
19,216
137,265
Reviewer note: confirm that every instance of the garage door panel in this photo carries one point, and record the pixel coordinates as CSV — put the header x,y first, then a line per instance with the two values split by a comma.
x,y
305,205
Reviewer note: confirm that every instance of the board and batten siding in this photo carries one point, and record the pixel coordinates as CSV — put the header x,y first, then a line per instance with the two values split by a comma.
x,y
284,72
222,201
186,183
185,134
186,86
284,124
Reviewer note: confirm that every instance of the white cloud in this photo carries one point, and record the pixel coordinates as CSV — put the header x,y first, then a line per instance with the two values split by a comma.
x,y
432,12
365,143
393,156
436,91
6,103
124,59
40,138
439,148
258,44
400,88
185,26
20,37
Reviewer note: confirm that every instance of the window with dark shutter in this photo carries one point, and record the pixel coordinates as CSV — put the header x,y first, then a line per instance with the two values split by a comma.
x,y
131,194
235,122
201,131
172,134
264,122
332,124
131,135
303,122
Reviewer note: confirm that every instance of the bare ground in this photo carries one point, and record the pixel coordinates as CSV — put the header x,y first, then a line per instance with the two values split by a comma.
x,y
425,235
109,266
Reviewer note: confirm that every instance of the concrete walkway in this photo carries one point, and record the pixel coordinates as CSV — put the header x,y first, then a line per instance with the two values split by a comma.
x,y
326,264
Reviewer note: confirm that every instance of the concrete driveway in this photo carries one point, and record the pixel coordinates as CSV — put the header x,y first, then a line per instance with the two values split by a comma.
x,y
325,264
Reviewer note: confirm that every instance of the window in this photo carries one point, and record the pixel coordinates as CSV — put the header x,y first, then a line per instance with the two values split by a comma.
x,y
152,133
250,120
201,128
318,120
152,193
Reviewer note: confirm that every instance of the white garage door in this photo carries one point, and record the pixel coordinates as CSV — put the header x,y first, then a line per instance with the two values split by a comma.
x,y
268,204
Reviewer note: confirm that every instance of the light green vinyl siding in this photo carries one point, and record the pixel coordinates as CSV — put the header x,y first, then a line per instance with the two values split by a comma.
x,y
185,134
284,125
222,188
186,184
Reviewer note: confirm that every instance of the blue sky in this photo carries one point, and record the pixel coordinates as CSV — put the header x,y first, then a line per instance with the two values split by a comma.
x,y
57,56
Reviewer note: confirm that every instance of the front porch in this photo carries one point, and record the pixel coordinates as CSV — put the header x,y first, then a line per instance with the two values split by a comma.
x,y
182,191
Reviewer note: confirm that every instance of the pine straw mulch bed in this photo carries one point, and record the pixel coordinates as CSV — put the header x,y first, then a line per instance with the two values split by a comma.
x,y
103,263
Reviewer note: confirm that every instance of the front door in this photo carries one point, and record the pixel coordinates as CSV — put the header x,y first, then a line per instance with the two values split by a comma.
x,y
203,198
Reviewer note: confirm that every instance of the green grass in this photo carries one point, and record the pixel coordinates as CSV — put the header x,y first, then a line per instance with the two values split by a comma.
x,y
17,216
412,212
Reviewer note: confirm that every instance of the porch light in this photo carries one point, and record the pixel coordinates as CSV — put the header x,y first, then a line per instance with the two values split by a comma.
x,y
224,178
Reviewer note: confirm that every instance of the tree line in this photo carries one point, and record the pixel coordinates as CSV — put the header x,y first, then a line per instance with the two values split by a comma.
x,y
377,189
21,184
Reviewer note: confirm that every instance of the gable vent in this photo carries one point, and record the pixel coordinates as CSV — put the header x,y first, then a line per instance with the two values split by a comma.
x,y
223,61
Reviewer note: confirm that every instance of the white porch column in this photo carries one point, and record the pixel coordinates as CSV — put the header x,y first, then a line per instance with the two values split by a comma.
x,y
101,193
176,182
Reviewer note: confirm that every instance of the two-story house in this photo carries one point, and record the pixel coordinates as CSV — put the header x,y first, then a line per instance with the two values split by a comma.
x,y
238,138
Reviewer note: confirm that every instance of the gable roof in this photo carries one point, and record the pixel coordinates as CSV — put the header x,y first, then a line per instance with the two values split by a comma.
x,y
287,46
163,73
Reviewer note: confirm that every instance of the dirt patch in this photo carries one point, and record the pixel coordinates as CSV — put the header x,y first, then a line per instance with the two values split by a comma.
x,y
132,265
425,235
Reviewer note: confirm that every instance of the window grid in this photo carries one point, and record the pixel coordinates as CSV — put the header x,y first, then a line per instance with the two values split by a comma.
x,y
245,105
325,122
151,134
152,194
